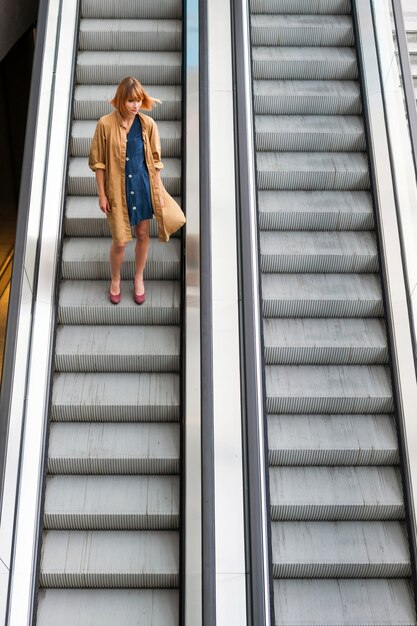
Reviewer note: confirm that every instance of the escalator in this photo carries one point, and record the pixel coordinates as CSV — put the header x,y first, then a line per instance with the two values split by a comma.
x,y
338,541
110,548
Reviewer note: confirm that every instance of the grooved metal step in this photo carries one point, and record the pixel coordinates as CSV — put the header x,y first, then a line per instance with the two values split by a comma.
x,y
301,133
325,341
103,559
76,448
315,210
321,295
117,349
83,218
371,602
302,30
335,493
304,7
328,389
82,181
133,607
296,63
339,550
82,135
312,171
334,252
115,397
315,97
156,68
131,9
85,258
87,302
93,101
112,503
312,440
116,34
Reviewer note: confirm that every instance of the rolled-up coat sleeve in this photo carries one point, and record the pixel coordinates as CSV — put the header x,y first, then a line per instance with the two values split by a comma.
x,y
97,157
155,144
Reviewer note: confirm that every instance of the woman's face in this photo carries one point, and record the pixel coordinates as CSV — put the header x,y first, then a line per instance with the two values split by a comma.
x,y
133,105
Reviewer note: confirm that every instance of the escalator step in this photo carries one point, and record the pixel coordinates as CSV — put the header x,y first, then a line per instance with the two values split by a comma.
x,y
115,398
304,7
369,602
335,493
325,341
146,448
111,503
102,68
87,302
294,63
85,258
119,34
332,252
302,30
304,133
127,607
313,210
321,295
103,559
328,389
117,349
312,97
131,9
313,171
308,440
339,550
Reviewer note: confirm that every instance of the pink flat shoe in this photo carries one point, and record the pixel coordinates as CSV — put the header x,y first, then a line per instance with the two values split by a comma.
x,y
138,298
115,297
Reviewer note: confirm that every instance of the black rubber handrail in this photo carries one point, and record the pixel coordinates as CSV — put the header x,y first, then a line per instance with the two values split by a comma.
x,y
259,589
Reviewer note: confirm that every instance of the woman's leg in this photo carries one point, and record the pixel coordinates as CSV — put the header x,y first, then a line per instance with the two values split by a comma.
x,y
117,254
141,254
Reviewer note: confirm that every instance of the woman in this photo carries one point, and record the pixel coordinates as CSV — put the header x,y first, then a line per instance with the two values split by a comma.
x,y
126,158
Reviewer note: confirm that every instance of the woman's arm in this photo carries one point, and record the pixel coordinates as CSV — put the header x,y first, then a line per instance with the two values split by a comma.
x,y
103,201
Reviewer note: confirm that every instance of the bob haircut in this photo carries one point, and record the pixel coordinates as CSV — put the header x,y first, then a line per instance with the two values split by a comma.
x,y
128,88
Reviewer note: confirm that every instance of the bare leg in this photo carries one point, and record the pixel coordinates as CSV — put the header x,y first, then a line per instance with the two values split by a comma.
x,y
117,254
141,254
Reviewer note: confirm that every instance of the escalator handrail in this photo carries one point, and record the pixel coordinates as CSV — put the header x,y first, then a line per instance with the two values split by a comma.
x,y
408,84
259,591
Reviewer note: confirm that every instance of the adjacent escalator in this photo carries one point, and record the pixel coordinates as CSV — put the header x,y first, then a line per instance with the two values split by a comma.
x,y
338,538
111,529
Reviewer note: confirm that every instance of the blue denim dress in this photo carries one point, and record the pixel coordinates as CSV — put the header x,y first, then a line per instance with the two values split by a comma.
x,y
138,191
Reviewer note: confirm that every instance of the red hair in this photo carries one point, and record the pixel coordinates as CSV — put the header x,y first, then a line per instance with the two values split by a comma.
x,y
128,88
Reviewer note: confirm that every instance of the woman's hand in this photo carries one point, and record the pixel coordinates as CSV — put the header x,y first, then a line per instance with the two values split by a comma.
x,y
104,204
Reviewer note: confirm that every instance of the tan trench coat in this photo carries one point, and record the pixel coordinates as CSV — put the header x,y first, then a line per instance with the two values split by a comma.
x,y
108,152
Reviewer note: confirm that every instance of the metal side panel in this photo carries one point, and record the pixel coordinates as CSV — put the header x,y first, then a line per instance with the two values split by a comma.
x,y
26,525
